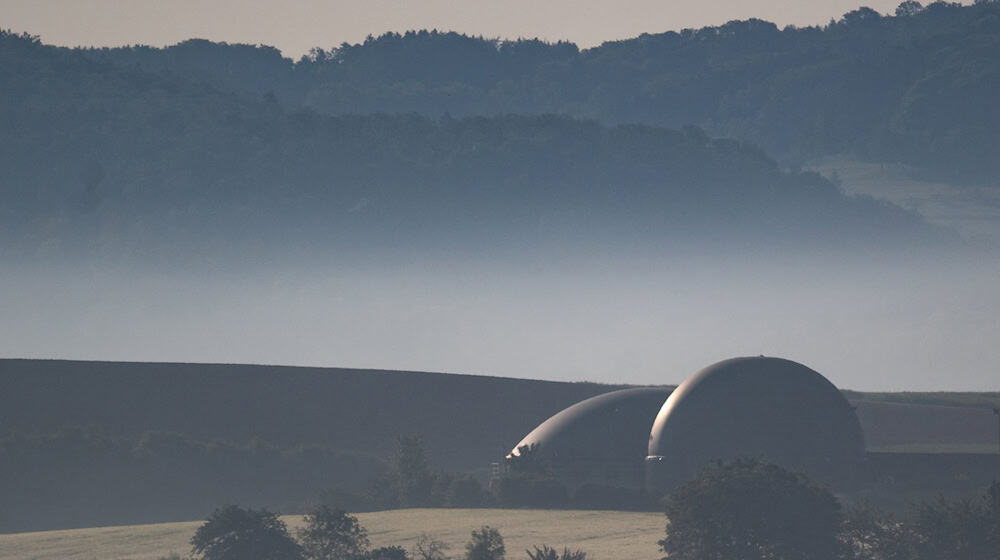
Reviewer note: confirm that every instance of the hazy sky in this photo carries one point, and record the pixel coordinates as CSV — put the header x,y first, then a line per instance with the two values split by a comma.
x,y
295,26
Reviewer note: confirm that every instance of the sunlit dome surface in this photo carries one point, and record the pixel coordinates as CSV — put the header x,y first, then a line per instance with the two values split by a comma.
x,y
772,409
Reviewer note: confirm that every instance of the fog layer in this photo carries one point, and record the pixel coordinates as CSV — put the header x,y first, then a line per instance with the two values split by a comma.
x,y
895,324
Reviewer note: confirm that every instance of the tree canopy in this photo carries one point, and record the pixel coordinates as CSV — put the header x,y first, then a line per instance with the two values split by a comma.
x,y
915,87
234,533
332,534
751,511
486,544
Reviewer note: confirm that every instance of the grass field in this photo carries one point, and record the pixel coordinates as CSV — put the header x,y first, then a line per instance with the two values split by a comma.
x,y
602,534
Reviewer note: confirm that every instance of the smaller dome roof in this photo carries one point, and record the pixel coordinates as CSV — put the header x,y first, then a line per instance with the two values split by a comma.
x,y
612,426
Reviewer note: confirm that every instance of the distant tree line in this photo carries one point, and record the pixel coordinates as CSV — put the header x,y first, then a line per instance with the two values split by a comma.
x,y
528,481
235,533
756,511
80,477
745,509
916,86
77,477
410,481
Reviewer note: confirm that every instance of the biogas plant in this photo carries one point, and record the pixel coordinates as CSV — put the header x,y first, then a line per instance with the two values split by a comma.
x,y
764,408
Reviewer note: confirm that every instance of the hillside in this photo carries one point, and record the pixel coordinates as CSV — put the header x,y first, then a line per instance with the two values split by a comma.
x,y
914,87
83,440
466,421
118,162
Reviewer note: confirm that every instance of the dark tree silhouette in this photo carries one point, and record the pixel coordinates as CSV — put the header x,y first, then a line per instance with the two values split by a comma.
x,y
387,553
547,553
412,470
486,544
234,533
956,529
965,529
428,548
751,511
870,534
332,534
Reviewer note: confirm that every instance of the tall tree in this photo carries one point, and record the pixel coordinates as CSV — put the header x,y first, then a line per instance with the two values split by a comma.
x,y
412,470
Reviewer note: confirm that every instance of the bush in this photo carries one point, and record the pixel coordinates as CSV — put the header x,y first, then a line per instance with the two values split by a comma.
x,y
958,529
387,553
486,544
964,529
234,533
869,534
546,553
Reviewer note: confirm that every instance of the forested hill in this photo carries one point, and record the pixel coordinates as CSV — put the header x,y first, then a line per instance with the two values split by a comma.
x,y
916,87
117,159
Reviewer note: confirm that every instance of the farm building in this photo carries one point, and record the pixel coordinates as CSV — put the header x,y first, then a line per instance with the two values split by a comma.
x,y
600,440
772,409
769,408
